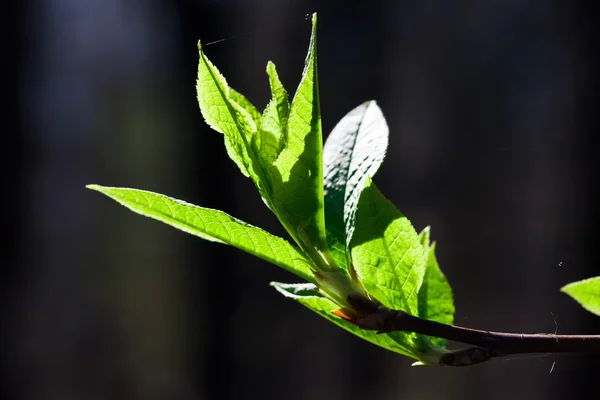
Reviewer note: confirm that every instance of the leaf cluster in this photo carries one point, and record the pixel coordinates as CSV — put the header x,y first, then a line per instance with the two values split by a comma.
x,y
348,239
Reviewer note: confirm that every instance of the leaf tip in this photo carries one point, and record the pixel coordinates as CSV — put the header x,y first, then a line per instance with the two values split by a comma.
x,y
369,103
314,27
425,237
271,71
95,187
199,46
564,288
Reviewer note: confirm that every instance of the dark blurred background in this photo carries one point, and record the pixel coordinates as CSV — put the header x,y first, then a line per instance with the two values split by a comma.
x,y
490,107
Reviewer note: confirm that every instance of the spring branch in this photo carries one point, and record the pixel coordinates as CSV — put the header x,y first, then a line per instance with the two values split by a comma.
x,y
488,344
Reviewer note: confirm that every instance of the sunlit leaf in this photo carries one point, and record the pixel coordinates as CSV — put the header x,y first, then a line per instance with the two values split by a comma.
x,y
586,293
386,252
435,295
279,94
241,100
213,225
224,115
308,296
353,151
297,183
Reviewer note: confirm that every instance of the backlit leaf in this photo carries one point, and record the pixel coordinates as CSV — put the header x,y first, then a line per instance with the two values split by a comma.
x,y
308,295
213,225
435,295
586,293
386,252
297,183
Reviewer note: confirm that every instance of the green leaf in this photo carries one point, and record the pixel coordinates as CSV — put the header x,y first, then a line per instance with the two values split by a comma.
x,y
224,115
586,293
230,113
270,141
308,295
353,151
386,252
279,94
213,225
241,100
297,180
435,295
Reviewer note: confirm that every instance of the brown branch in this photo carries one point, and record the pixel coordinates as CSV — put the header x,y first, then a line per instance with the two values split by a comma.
x,y
369,316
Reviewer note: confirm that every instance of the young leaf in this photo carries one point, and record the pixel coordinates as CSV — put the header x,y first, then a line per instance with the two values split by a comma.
x,y
279,94
297,182
435,295
354,150
586,293
213,225
308,295
270,140
386,252
241,100
224,115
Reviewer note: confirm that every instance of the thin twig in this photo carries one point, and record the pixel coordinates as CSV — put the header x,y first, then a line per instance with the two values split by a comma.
x,y
489,344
